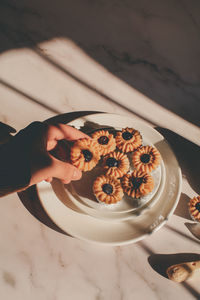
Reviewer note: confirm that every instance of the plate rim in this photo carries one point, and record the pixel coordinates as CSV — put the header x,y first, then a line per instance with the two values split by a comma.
x,y
142,236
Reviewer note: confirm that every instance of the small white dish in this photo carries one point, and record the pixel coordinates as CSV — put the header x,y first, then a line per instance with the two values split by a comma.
x,y
69,197
81,190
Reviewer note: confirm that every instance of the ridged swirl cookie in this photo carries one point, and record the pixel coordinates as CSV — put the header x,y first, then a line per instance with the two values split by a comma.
x,y
105,140
107,189
146,159
85,154
116,164
137,184
128,139
194,208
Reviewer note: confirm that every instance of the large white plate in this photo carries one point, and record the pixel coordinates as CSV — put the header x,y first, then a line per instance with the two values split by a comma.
x,y
86,227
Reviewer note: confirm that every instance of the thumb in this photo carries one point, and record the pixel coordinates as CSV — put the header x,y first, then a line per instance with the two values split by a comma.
x,y
66,172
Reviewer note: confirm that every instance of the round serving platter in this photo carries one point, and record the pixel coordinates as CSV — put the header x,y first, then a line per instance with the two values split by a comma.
x,y
81,220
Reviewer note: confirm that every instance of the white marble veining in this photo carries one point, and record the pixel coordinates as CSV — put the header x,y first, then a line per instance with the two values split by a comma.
x,y
136,58
37,262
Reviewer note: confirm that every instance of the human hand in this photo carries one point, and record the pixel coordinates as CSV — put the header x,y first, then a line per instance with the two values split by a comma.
x,y
44,166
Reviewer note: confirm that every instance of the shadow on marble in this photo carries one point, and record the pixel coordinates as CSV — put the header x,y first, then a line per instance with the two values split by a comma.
x,y
187,154
146,248
152,47
160,263
28,97
182,207
70,116
61,117
184,235
30,200
182,211
85,84
191,290
194,228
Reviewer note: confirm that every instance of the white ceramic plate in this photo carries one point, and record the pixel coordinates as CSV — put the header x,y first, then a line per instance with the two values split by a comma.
x,y
89,228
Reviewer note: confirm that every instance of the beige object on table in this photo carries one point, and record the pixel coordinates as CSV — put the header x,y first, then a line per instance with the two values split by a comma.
x,y
184,271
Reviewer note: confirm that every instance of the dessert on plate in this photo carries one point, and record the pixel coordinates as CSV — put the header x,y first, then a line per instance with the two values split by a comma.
x,y
146,159
116,164
194,208
137,184
85,154
128,139
105,140
107,189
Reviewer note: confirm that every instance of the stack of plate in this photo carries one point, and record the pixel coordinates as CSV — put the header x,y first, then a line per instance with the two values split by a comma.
x,y
74,208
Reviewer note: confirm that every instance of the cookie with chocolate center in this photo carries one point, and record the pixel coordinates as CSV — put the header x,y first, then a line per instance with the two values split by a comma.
x,y
105,140
107,190
146,159
85,154
194,208
116,164
137,184
128,139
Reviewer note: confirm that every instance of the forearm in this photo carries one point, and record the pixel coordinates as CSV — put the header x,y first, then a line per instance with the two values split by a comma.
x,y
15,158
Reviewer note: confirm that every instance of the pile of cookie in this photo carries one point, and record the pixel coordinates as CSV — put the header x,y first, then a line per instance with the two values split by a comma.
x,y
115,152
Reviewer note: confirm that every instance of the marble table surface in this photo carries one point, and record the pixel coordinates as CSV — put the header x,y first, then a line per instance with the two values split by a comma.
x,y
135,58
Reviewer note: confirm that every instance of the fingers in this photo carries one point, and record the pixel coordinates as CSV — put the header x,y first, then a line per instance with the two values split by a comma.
x,y
57,169
49,179
60,132
71,133
64,171
46,169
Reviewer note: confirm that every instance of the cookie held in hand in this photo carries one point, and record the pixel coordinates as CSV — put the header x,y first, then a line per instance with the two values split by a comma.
x,y
85,154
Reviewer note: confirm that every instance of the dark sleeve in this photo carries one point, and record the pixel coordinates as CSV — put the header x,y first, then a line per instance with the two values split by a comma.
x,y
15,157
